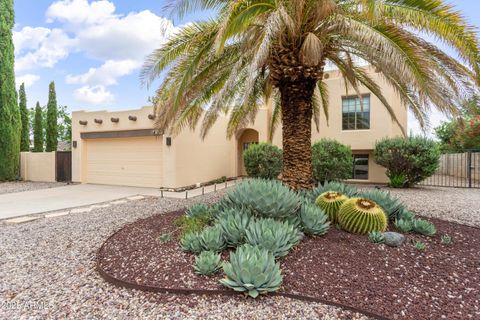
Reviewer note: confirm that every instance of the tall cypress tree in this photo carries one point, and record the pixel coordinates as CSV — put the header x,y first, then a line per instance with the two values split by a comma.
x,y
10,125
38,129
52,118
25,139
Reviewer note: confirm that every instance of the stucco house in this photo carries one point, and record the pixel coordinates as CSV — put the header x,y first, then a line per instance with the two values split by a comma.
x,y
124,148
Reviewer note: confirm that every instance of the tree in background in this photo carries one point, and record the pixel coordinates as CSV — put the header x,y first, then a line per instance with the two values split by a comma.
x,y
64,125
52,118
461,133
38,129
10,125
254,51
25,138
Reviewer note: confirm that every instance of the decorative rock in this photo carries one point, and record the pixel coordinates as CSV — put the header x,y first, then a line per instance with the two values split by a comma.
x,y
394,239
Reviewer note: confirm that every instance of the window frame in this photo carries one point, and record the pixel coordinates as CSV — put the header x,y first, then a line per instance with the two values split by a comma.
x,y
355,112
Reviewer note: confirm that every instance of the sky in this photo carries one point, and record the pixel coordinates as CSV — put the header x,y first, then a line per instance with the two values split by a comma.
x,y
94,50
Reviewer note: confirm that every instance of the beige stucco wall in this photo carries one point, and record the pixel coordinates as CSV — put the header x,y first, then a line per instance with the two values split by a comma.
x,y
191,160
37,166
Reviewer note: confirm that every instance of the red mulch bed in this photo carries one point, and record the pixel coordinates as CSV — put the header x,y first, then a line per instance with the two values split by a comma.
x,y
398,283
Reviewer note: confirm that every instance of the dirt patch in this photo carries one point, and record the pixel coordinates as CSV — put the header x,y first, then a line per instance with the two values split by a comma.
x,y
439,282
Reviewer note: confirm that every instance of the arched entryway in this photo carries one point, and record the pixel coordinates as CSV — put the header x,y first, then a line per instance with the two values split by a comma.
x,y
245,137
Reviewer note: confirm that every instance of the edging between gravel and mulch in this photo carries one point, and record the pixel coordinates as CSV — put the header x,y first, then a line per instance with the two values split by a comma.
x,y
211,292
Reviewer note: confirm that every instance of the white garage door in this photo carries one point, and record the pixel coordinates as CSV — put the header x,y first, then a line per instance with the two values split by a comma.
x,y
125,161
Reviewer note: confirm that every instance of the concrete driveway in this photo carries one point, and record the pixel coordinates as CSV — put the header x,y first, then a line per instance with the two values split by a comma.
x,y
60,198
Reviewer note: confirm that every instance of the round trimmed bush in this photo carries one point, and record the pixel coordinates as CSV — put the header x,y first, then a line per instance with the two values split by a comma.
x,y
331,160
263,160
361,216
413,158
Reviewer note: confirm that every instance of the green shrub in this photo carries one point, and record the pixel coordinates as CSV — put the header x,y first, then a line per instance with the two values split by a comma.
x,y
212,239
190,242
313,220
376,237
331,160
343,188
390,205
275,236
207,263
192,224
330,203
360,215
416,158
252,270
266,198
404,226
263,161
198,210
424,227
398,181
234,223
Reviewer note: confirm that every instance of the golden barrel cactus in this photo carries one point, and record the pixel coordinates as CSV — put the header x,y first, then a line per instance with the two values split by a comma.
x,y
330,202
360,215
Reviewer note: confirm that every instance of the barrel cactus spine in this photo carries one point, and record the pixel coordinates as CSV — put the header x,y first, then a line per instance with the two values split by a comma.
x,y
361,216
330,202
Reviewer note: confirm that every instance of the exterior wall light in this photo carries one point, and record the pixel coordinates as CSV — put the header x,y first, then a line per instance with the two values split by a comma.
x,y
168,141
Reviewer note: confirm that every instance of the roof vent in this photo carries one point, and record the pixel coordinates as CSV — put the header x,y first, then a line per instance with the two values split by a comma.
x,y
83,123
151,116
132,118
99,121
116,120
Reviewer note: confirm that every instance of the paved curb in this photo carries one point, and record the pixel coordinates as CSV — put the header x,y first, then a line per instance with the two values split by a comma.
x,y
78,210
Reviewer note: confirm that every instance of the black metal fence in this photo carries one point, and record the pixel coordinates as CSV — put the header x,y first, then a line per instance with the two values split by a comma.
x,y
459,170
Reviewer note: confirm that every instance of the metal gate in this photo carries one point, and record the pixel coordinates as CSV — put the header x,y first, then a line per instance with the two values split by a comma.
x,y
63,166
458,170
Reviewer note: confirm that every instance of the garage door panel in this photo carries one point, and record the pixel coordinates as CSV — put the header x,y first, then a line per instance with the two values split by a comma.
x,y
125,161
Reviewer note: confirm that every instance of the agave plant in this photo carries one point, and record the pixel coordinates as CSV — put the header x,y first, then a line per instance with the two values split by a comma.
x,y
207,263
405,214
212,239
190,242
376,237
266,198
252,270
198,210
390,205
404,226
253,51
234,223
359,215
424,227
313,220
340,187
275,236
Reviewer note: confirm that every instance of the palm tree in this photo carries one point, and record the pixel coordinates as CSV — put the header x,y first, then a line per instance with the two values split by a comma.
x,y
259,51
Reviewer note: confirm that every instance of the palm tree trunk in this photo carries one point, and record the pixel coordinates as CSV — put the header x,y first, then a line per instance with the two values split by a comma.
x,y
297,133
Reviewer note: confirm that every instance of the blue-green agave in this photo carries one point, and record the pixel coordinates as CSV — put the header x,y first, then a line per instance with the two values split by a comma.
x,y
252,270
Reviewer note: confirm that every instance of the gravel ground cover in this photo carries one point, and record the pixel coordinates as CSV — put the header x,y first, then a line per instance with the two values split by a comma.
x,y
461,205
47,271
21,186
392,282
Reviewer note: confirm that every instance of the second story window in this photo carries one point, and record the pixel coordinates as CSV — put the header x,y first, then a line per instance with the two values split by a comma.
x,y
355,116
